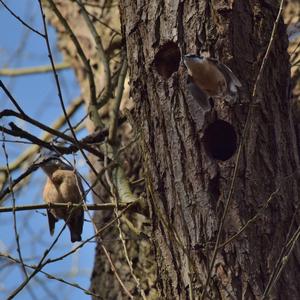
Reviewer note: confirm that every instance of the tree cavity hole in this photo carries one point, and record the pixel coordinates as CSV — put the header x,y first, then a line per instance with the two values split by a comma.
x,y
167,60
220,140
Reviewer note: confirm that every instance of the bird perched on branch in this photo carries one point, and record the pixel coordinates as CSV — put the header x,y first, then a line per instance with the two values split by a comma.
x,y
212,77
63,185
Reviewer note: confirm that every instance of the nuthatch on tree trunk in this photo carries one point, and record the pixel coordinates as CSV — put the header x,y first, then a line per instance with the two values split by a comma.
x,y
212,77
63,185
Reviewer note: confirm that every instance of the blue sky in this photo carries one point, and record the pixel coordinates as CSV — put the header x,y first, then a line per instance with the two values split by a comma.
x,y
37,95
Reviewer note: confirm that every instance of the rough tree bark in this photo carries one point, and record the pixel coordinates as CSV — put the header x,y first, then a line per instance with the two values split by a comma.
x,y
187,154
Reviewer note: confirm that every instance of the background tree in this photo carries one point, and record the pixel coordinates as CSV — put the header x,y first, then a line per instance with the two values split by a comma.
x,y
221,185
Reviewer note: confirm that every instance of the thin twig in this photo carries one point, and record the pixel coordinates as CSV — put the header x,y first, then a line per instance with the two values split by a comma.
x,y
11,98
278,266
98,232
13,210
23,116
116,273
96,117
113,268
33,70
104,206
29,152
114,192
103,23
20,20
102,56
118,98
14,182
266,204
41,263
15,142
50,276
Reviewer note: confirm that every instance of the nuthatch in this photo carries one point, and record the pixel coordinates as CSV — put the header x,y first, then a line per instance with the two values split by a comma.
x,y
212,77
63,185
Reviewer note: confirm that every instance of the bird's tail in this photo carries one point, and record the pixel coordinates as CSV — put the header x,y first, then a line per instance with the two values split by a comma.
x,y
75,225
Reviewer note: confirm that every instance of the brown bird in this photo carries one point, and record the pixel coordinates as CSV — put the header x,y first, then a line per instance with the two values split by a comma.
x,y
212,77
63,185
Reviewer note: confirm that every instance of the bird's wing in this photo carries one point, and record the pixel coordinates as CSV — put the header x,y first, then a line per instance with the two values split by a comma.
x,y
69,184
58,177
226,69
79,183
198,94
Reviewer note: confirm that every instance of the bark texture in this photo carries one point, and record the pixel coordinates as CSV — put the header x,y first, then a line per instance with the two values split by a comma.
x,y
188,176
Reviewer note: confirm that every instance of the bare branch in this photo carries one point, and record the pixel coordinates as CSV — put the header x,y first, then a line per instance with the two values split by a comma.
x,y
11,98
20,20
33,70
95,116
118,98
50,276
14,213
104,206
102,56
29,152
8,112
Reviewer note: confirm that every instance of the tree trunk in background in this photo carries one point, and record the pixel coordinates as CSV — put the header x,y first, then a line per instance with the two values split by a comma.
x,y
187,153
103,280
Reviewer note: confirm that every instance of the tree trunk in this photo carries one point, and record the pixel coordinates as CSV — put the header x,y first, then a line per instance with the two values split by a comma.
x,y
194,170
